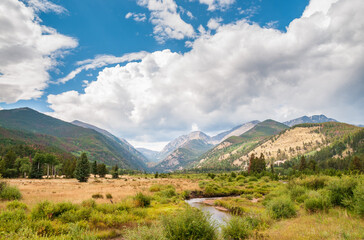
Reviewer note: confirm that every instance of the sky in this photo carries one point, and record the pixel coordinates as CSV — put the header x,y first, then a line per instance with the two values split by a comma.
x,y
151,70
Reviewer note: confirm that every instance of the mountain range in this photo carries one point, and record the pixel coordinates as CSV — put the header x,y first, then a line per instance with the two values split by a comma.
x,y
228,149
69,138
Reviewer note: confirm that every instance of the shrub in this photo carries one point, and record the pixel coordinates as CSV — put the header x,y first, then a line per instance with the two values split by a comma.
x,y
42,210
281,207
12,221
236,228
10,193
43,228
16,205
108,196
359,199
189,224
142,200
317,202
296,192
341,190
97,196
89,203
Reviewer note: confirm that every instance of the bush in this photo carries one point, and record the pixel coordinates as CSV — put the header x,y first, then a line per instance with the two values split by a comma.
x,y
97,196
191,224
236,228
317,202
341,190
108,196
10,193
281,207
16,205
42,210
142,200
12,221
43,228
359,199
296,192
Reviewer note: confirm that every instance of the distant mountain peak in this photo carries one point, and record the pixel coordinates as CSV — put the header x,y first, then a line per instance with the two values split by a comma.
x,y
309,119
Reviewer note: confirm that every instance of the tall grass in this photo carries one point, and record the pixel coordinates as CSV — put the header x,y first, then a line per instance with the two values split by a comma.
x,y
191,224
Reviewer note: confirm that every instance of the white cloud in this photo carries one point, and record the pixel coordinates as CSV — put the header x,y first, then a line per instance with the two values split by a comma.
x,y
28,50
217,4
214,23
46,6
138,17
101,61
166,20
241,73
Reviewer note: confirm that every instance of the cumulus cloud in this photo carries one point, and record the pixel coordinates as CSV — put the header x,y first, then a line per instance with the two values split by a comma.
x,y
240,73
214,23
101,61
46,6
217,4
28,50
138,17
167,20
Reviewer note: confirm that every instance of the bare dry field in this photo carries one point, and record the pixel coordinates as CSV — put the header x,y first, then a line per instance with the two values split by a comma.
x,y
60,190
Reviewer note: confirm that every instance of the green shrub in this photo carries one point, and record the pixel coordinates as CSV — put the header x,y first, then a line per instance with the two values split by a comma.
x,y
236,228
281,207
341,190
317,202
296,192
142,200
359,199
10,193
43,228
42,210
89,203
108,196
97,196
314,182
253,179
16,205
191,224
185,194
12,221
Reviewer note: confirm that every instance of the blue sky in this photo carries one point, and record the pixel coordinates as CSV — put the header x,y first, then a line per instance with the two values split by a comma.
x,y
165,33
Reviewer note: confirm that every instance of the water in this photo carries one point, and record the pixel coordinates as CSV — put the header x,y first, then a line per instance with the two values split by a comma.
x,y
218,216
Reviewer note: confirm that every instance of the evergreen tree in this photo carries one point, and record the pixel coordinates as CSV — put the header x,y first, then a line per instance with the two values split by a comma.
x,y
312,164
356,164
115,172
94,168
101,169
302,165
82,171
36,170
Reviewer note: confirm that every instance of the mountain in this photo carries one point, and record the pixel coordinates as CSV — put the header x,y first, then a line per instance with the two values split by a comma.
x,y
223,155
178,142
183,155
124,144
300,140
236,131
70,138
312,119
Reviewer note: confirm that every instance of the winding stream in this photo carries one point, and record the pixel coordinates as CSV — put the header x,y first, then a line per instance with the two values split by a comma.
x,y
218,216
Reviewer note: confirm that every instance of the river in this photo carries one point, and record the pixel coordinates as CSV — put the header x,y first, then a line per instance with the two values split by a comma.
x,y
216,215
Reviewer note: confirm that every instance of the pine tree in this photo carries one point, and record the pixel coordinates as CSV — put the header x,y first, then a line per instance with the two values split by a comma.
x,y
115,173
302,165
94,168
82,171
101,169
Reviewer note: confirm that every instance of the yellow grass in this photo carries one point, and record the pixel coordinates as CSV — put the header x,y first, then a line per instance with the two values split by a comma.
x,y
60,190
337,224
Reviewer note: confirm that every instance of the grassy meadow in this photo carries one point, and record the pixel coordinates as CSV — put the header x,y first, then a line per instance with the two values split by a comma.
x,y
145,207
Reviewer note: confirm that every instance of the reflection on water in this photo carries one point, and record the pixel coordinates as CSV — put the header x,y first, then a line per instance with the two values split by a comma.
x,y
218,216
